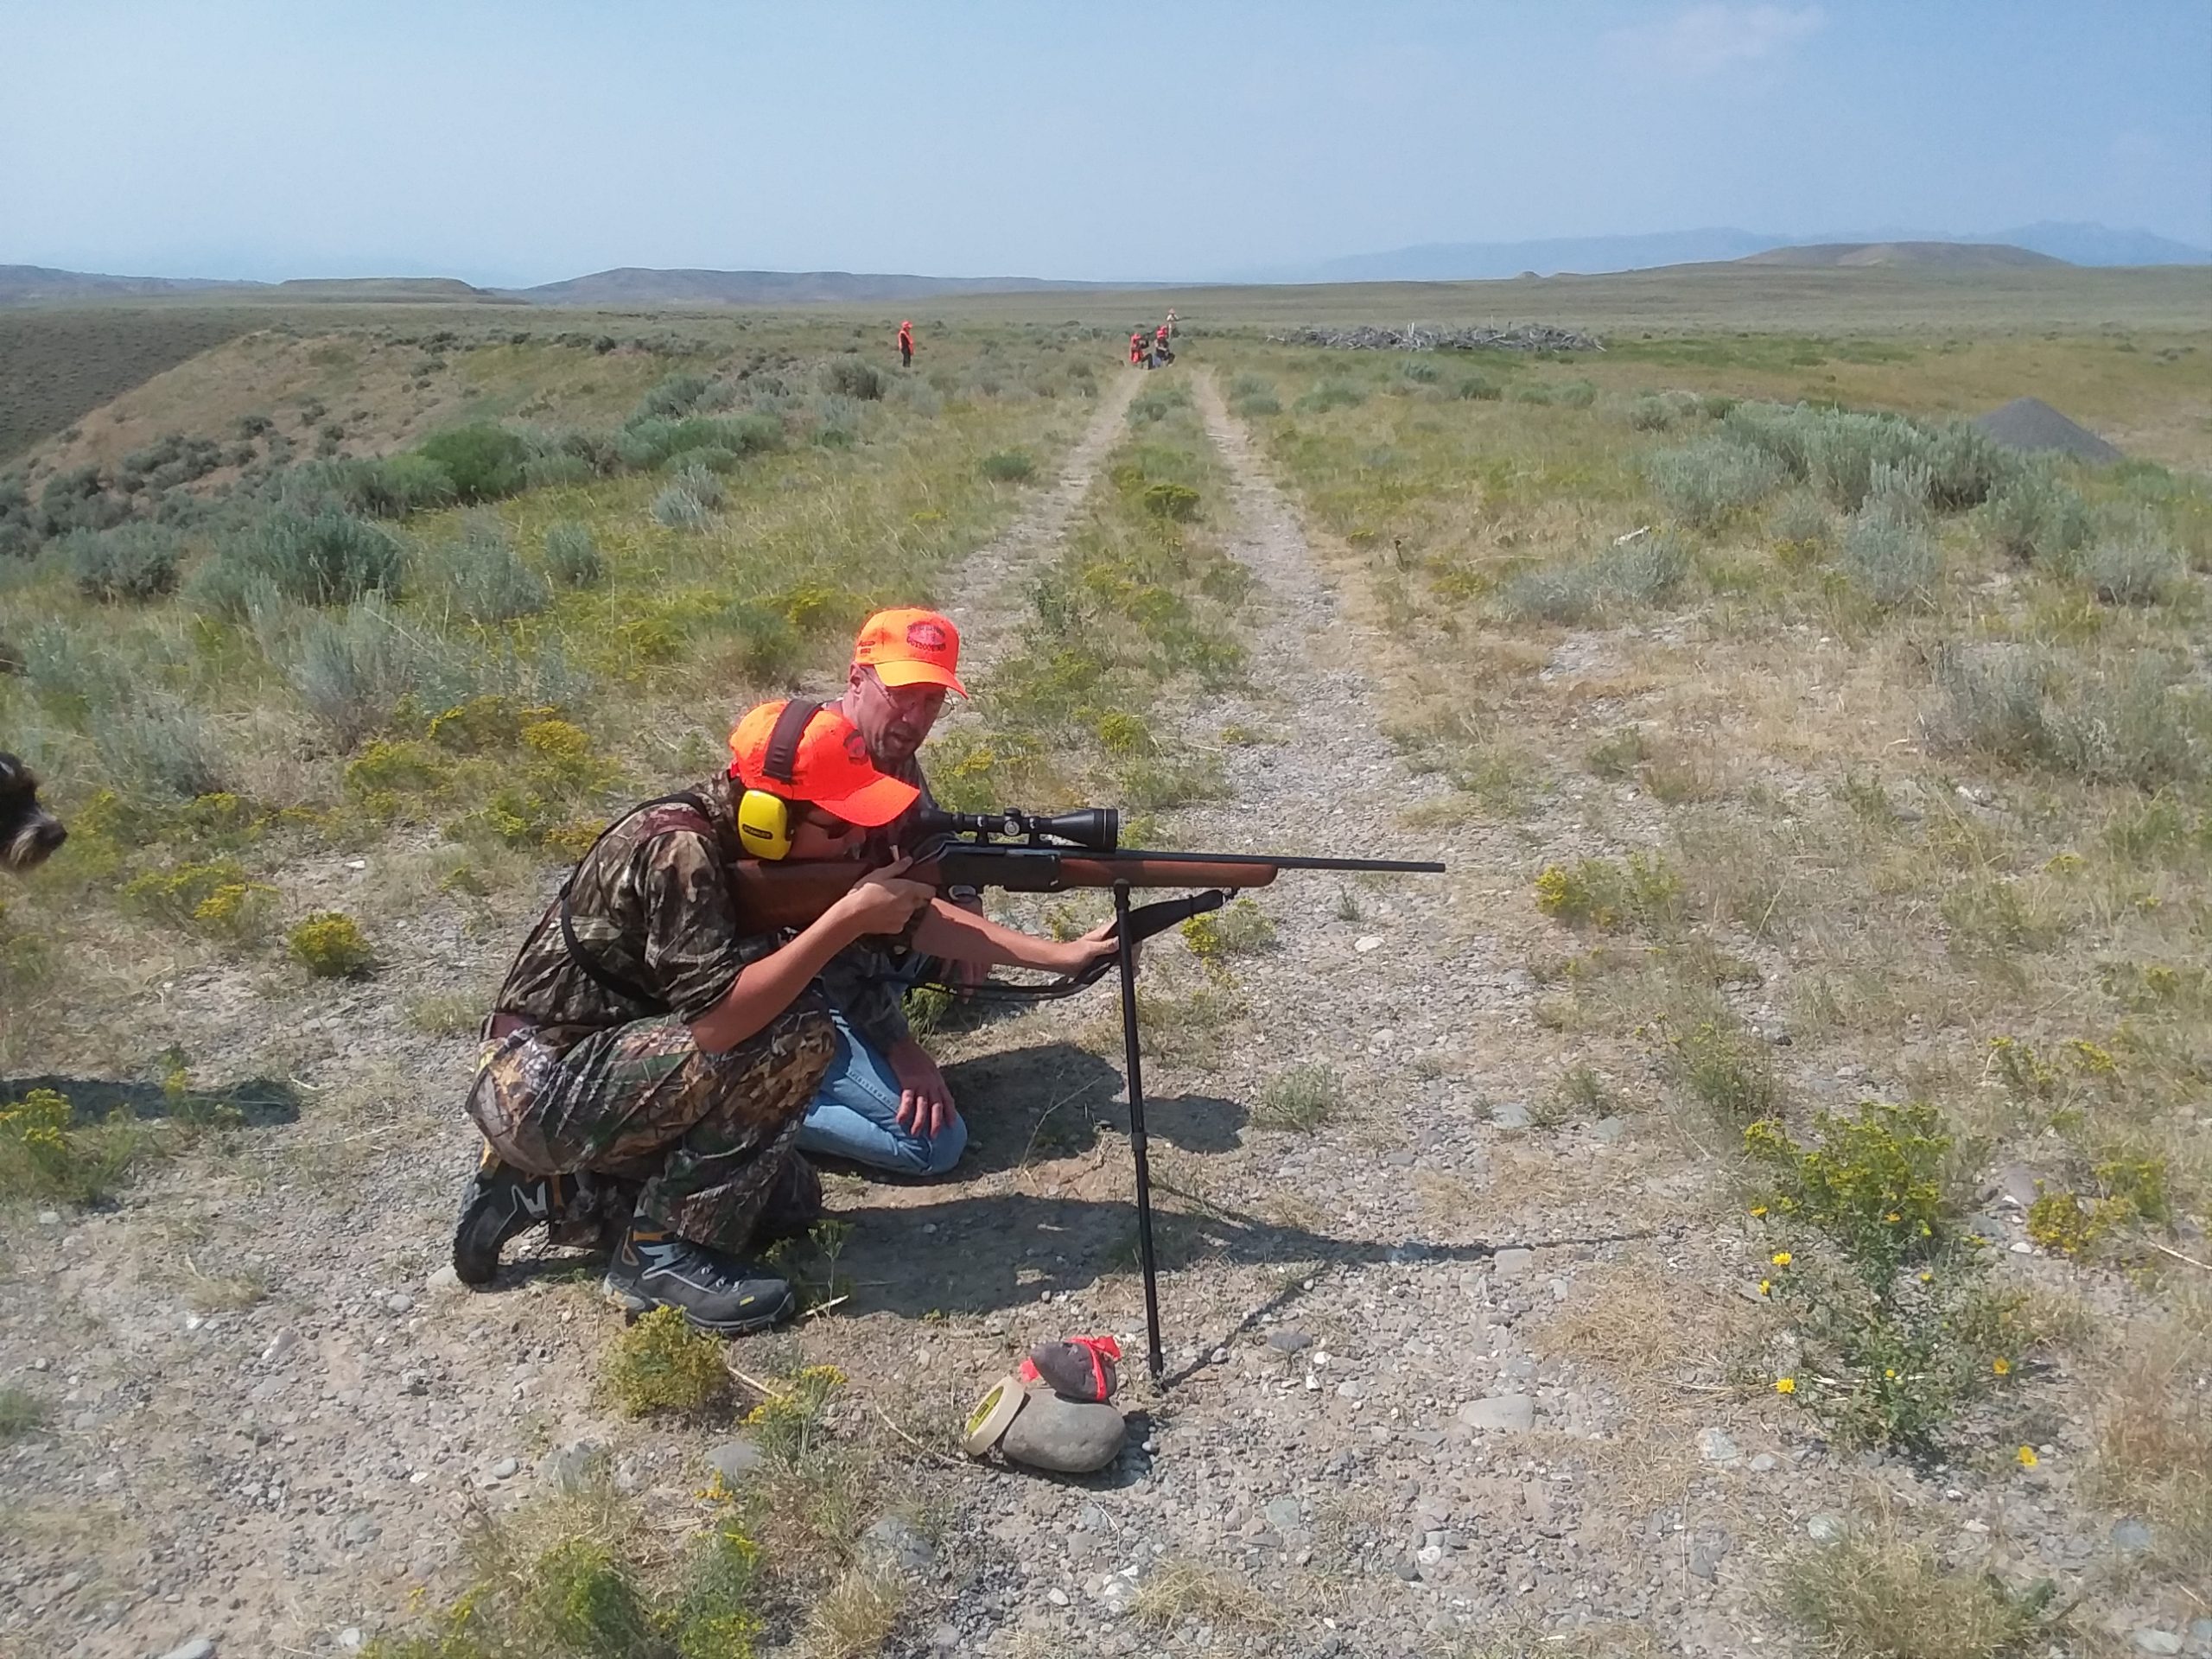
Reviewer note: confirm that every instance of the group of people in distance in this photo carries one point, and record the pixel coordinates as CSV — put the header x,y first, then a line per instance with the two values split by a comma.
x,y
658,1065
1154,352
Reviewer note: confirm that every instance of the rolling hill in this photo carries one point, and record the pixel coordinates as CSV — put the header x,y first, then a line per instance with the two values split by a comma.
x,y
635,285
1932,255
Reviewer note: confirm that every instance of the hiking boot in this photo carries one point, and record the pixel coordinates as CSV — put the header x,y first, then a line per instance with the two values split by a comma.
x,y
794,1202
500,1202
720,1296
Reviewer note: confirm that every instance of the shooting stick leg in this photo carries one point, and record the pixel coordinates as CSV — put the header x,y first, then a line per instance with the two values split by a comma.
x,y
1153,1358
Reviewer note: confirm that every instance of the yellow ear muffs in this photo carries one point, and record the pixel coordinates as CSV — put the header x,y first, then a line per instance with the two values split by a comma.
x,y
764,824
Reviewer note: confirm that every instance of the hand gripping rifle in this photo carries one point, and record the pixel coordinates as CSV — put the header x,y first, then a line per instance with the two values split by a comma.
x,y
1023,852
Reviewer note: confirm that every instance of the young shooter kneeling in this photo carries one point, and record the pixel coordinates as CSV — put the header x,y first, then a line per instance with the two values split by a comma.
x,y
651,1049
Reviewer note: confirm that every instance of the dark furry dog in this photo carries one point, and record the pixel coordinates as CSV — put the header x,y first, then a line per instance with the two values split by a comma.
x,y
28,831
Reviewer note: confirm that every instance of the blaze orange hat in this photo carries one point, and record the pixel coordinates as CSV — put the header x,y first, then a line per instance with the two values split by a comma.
x,y
827,765
911,648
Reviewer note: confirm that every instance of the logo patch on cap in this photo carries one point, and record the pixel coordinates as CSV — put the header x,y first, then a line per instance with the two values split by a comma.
x,y
925,636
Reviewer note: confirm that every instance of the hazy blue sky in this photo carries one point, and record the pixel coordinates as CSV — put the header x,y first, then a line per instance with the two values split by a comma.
x,y
522,142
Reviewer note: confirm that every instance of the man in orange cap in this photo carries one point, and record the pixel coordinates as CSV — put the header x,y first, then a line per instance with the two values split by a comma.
x,y
649,1059
906,345
884,1103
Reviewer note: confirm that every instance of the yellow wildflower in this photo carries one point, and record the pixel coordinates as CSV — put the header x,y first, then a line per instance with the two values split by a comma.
x,y
2002,1366
1926,1276
1780,1258
1785,1385
2028,1458
1758,1209
1893,1218
1765,1285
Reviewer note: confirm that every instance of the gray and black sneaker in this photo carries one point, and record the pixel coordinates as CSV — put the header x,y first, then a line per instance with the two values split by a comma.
x,y
500,1202
722,1296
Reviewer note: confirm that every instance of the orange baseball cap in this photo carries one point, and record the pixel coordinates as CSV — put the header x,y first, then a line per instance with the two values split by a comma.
x,y
830,767
911,648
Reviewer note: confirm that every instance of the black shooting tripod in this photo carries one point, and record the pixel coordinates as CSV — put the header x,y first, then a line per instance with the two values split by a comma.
x,y
1090,838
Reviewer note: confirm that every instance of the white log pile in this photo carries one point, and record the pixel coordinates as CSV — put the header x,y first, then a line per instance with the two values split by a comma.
x,y
1428,337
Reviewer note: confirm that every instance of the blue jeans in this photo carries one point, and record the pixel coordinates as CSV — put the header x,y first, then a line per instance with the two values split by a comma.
x,y
856,1115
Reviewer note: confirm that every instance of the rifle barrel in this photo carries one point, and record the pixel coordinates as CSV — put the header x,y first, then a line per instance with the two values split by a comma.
x,y
1283,862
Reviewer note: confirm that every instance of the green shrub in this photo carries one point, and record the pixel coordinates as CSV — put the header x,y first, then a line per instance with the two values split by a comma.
x,y
1963,465
1893,562
1576,394
1480,389
157,747
216,897
1728,1070
660,1364
21,1411
1647,571
572,557
849,377
1642,893
1708,481
1651,413
679,509
136,561
1008,466
2133,727
485,580
329,945
354,668
1800,525
678,395
1255,403
709,489
1330,394
1302,1098
2038,519
2136,569
321,557
1236,930
1176,501
556,471
484,461
47,1156
1532,392
1871,1595
390,487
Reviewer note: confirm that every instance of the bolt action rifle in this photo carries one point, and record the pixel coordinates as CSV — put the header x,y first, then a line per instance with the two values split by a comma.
x,y
1023,852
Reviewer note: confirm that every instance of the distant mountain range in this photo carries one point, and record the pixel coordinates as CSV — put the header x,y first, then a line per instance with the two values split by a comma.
x,y
629,286
1448,262
2031,244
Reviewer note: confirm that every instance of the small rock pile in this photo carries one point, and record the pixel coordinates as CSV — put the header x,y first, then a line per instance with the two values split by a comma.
x,y
1428,337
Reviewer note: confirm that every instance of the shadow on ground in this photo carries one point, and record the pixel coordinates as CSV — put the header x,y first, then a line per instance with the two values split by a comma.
x,y
1051,1101
256,1103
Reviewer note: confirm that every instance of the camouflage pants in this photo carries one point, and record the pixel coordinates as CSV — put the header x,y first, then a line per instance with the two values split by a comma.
x,y
708,1136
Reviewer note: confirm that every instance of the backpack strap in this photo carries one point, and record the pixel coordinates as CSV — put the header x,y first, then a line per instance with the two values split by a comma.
x,y
604,977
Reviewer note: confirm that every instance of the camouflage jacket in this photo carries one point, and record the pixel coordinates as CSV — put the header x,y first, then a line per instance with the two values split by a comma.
x,y
651,902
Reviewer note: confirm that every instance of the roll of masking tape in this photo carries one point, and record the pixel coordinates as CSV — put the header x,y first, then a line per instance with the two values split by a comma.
x,y
989,1422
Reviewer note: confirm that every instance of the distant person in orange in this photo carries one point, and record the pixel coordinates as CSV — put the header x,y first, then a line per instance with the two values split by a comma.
x,y
906,345
1136,349
1161,352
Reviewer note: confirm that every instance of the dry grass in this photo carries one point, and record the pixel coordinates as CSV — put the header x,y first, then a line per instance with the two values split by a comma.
x,y
2154,1443
856,1617
1877,1595
1173,1592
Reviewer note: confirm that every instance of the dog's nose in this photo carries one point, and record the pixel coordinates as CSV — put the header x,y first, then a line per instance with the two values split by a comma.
x,y
51,835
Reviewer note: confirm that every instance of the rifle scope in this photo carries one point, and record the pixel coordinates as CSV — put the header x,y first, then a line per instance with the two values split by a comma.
x,y
1097,829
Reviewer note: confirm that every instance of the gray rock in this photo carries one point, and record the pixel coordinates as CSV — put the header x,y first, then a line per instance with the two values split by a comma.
x,y
359,1530
505,1469
1286,1341
400,1301
1351,1389
1510,1115
2129,1536
1069,1437
1512,1414
944,1638
2149,1641
1282,1514
2200,1630
1825,1528
201,1648
1609,1128
1513,1263
1764,1463
736,1459
569,1468
892,1542
1715,1446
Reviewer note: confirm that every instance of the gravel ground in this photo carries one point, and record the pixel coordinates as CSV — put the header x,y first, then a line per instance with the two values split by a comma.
x,y
1434,1370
